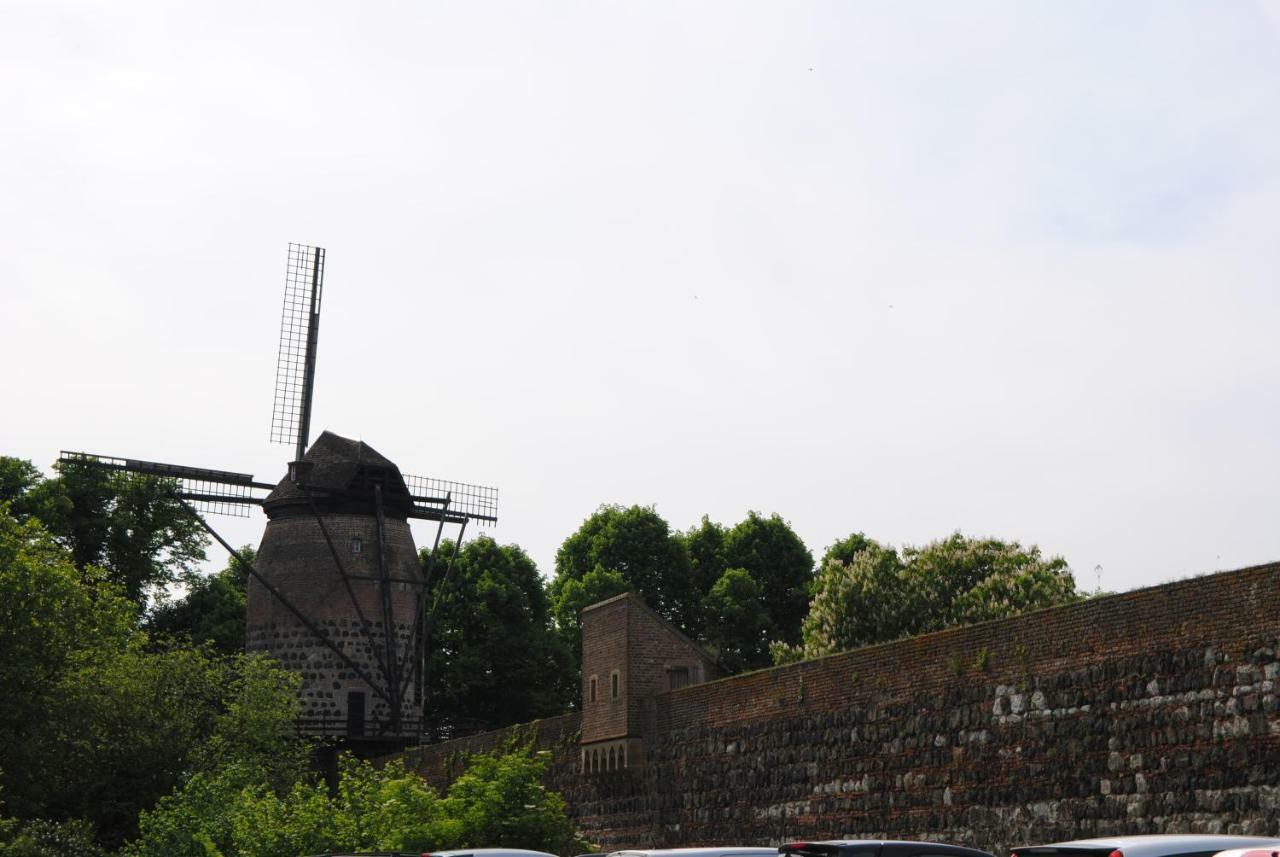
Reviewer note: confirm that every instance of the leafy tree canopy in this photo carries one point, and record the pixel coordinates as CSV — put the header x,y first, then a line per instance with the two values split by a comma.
x,y
124,523
212,611
737,623
636,543
98,724
781,566
498,801
18,478
494,656
705,545
879,595
684,577
572,595
847,548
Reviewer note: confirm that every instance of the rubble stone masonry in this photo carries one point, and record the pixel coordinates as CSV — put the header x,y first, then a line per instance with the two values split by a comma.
x,y
1145,712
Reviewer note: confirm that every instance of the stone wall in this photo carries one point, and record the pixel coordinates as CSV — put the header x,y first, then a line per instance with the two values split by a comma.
x,y
1149,711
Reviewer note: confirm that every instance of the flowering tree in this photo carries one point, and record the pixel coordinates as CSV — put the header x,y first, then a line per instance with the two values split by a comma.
x,y
877,594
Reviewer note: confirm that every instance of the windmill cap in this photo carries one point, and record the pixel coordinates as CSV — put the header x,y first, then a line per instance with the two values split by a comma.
x,y
342,470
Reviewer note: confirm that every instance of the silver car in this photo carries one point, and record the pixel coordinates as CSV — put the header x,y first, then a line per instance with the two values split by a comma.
x,y
1157,845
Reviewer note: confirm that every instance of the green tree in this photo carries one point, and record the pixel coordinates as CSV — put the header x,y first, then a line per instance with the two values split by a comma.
x,y
636,543
973,580
856,602
119,736
125,523
53,625
737,623
212,611
251,767
705,545
844,550
18,479
879,595
572,596
41,838
98,723
781,566
494,655
499,800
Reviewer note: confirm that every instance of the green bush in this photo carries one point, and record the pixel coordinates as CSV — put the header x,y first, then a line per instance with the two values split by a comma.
x,y
498,801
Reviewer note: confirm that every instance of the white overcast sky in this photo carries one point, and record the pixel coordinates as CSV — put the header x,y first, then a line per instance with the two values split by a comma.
x,y
905,268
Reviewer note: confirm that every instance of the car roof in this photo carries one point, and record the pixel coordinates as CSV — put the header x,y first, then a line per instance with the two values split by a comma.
x,y
936,847
885,842
491,852
880,842
708,851
1273,848
1154,845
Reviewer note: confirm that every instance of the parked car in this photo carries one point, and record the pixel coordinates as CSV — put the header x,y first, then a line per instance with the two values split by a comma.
x,y
461,852
710,851
1156,845
878,848
1272,850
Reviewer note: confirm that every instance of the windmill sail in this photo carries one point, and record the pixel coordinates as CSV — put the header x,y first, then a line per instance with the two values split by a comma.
x,y
299,335
478,503
220,492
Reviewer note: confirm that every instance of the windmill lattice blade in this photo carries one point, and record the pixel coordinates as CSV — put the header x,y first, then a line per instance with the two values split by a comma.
x,y
218,492
299,331
478,502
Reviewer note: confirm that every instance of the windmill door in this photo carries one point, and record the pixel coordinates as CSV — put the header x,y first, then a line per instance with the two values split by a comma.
x,y
355,713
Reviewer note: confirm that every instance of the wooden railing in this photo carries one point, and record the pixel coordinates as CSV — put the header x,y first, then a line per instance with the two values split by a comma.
x,y
341,727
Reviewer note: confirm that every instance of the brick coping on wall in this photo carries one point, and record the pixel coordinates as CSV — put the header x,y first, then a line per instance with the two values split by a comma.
x,y
983,629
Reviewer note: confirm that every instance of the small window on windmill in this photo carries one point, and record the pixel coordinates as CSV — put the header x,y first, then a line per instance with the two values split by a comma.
x,y
613,682
356,544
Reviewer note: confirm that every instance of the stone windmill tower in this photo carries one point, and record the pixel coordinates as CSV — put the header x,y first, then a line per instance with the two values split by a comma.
x,y
337,541
336,592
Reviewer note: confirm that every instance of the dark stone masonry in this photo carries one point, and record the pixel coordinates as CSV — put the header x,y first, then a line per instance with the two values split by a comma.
x,y
1145,712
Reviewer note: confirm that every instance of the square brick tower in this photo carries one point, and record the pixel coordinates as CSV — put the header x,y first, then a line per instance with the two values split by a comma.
x,y
631,656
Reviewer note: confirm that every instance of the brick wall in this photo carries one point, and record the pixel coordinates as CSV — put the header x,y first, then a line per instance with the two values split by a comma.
x,y
604,652
654,649
621,636
1149,711
295,557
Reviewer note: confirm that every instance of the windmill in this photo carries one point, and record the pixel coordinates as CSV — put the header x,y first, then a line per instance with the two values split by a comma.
x,y
336,591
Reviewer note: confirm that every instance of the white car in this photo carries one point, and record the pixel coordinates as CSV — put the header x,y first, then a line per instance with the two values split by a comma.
x,y
727,851
1156,845
488,852
1272,850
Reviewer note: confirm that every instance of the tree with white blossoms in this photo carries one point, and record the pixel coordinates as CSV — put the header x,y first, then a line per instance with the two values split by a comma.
x,y
875,594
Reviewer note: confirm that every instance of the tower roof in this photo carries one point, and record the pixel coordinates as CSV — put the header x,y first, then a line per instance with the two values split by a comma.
x,y
344,471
